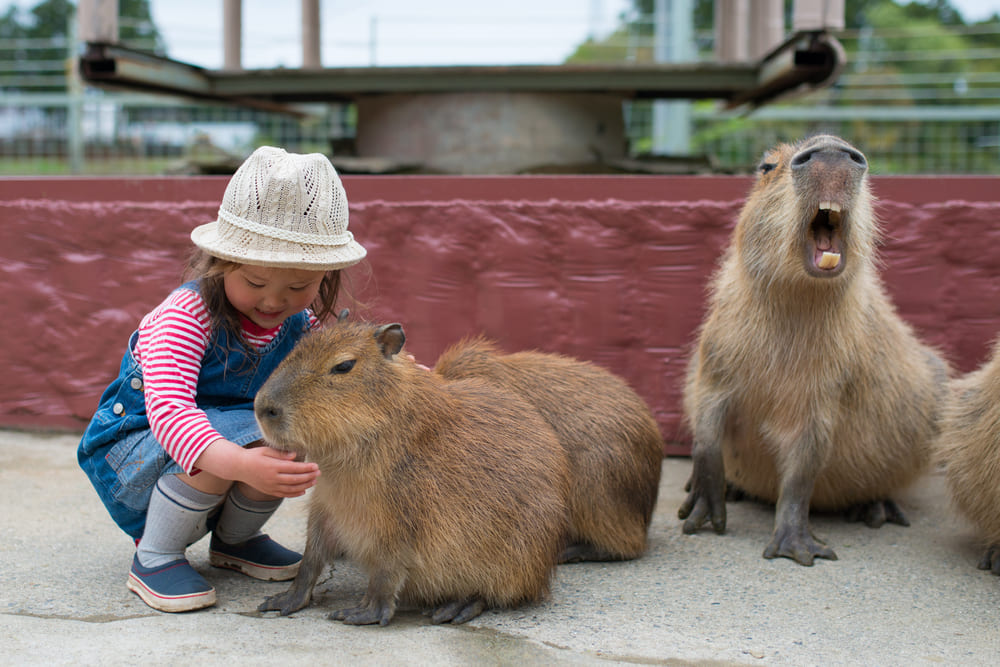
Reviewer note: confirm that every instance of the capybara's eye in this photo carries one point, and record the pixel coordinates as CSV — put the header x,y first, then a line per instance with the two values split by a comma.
x,y
343,367
765,167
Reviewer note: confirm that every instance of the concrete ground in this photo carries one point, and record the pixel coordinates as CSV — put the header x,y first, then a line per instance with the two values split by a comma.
x,y
897,596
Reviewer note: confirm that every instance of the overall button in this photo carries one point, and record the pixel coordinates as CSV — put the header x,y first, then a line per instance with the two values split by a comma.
x,y
136,384
118,408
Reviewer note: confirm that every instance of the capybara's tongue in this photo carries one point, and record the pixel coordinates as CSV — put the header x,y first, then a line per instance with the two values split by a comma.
x,y
824,240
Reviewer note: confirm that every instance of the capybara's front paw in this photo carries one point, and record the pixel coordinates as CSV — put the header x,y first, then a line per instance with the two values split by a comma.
x,y
458,611
285,603
877,512
701,505
991,559
365,614
797,543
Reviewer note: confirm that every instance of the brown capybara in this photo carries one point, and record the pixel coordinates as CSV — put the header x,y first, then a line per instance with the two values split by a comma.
x,y
806,389
969,447
613,443
450,494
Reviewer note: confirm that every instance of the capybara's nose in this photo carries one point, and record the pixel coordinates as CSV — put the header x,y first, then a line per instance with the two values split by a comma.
x,y
828,152
267,412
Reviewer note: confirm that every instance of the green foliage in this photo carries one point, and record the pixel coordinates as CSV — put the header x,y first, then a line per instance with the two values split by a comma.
x,y
41,37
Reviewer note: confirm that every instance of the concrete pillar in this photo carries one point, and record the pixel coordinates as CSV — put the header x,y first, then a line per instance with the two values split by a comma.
x,y
311,58
491,133
818,15
731,20
98,21
232,34
767,27
674,30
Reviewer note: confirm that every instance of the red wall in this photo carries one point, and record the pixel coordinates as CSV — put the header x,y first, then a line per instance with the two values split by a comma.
x,y
606,268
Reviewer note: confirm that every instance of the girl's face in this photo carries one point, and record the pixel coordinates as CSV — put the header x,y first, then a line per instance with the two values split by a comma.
x,y
267,296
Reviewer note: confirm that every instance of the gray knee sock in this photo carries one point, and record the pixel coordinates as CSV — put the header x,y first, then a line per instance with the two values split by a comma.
x,y
177,516
242,518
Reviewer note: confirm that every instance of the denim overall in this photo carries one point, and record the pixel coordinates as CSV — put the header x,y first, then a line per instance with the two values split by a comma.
x,y
118,451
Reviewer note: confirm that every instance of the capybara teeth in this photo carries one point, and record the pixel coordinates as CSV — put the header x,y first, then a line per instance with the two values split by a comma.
x,y
829,206
829,260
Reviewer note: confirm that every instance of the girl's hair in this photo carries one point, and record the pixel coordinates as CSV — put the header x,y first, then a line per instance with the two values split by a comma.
x,y
210,271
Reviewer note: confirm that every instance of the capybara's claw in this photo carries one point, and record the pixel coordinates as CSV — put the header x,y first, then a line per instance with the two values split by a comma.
x,y
877,512
991,559
365,614
284,603
798,544
458,611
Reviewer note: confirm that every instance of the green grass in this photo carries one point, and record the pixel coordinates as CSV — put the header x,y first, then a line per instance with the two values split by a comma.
x,y
43,166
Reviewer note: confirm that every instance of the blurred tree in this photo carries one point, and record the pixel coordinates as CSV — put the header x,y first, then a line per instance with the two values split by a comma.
x,y
40,38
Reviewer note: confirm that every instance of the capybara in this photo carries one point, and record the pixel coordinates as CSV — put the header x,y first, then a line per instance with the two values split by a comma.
x,y
450,494
613,443
806,389
969,447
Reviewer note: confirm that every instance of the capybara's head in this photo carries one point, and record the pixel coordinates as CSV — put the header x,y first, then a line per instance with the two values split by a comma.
x,y
334,390
809,215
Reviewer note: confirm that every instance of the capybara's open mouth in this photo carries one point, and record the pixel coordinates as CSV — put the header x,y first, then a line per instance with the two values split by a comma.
x,y
825,250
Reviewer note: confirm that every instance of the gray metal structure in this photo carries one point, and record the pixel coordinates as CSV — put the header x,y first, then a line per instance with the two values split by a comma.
x,y
395,102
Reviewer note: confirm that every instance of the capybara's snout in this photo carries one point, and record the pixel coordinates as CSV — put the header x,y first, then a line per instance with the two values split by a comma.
x,y
267,411
829,151
827,168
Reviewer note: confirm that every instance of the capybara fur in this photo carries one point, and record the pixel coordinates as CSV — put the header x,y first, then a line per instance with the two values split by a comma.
x,y
613,443
806,389
450,494
969,448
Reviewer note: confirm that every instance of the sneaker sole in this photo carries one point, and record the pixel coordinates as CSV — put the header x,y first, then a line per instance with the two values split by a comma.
x,y
170,603
255,570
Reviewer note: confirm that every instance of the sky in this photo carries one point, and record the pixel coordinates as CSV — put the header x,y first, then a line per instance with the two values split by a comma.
x,y
404,32
391,32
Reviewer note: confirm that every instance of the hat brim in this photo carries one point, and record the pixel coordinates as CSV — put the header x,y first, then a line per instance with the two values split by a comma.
x,y
318,258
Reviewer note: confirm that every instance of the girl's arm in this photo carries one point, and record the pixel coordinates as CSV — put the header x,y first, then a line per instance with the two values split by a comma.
x,y
268,470
172,343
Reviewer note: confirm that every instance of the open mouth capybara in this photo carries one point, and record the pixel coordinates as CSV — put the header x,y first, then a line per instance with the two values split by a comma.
x,y
450,494
806,389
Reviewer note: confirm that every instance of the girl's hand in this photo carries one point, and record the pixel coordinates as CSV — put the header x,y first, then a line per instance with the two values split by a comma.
x,y
277,473
414,360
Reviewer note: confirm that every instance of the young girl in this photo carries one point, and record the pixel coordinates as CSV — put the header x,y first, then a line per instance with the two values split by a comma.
x,y
174,450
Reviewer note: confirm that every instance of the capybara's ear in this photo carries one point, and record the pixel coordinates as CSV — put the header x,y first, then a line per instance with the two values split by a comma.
x,y
390,339
342,315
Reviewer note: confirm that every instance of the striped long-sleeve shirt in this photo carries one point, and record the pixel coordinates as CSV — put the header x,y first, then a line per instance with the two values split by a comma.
x,y
173,339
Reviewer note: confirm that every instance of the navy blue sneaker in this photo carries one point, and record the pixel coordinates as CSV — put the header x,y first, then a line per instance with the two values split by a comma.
x,y
259,557
173,587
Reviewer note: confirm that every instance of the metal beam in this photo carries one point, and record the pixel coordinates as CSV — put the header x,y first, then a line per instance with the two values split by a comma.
x,y
805,61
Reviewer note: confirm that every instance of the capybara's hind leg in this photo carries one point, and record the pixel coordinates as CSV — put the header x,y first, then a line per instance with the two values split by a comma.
x,y
458,611
991,559
877,512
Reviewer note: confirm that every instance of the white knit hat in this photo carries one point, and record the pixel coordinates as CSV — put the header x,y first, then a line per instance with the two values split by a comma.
x,y
283,210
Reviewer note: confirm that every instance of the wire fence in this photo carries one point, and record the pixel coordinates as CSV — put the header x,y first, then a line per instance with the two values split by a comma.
x,y
913,122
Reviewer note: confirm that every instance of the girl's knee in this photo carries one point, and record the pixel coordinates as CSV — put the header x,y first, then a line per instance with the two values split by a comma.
x,y
207,483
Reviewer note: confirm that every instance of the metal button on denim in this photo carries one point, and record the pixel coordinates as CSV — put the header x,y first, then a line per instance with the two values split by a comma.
x,y
118,408
136,384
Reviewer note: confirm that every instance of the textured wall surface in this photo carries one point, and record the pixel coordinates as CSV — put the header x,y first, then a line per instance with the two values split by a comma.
x,y
609,269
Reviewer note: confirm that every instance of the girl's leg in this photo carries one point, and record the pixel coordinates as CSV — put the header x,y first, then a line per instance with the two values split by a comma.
x,y
177,516
238,544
